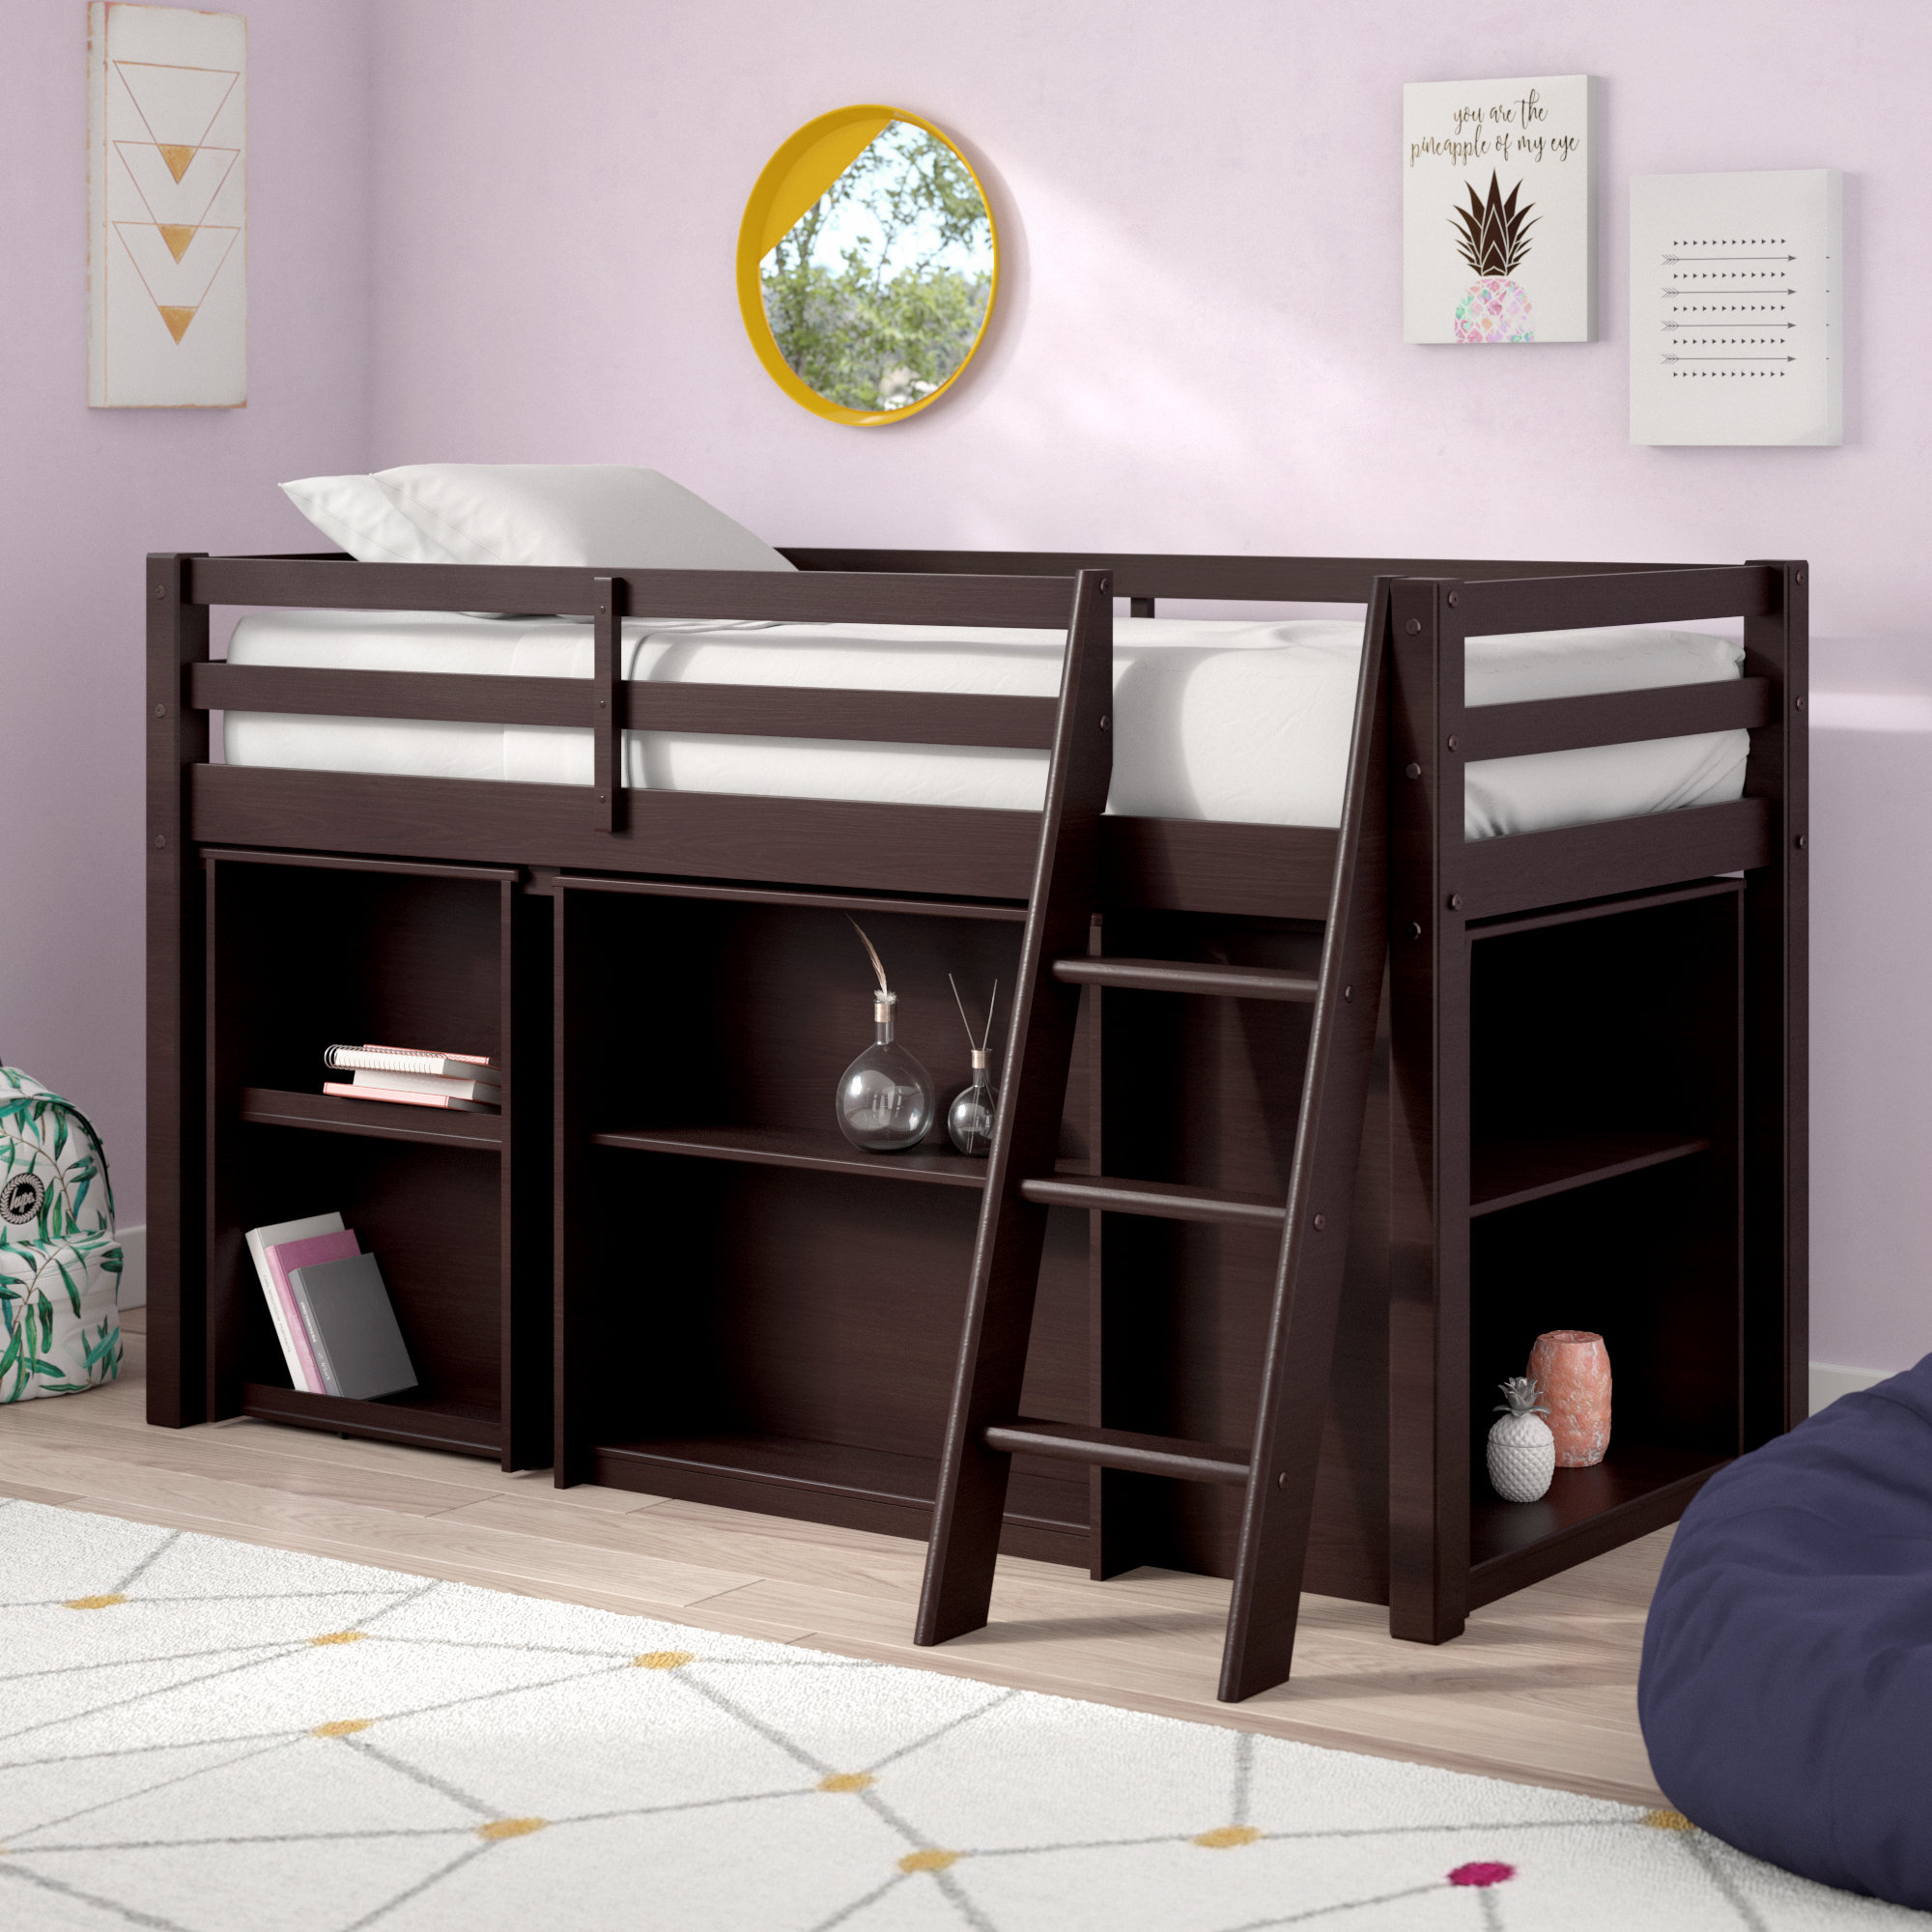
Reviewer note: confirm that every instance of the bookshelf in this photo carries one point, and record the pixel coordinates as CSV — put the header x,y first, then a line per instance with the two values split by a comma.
x,y
1606,1194
745,1316
784,1338
304,952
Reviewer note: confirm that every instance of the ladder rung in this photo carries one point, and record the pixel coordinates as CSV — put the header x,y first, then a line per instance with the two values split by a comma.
x,y
1120,1449
1183,975
1164,1200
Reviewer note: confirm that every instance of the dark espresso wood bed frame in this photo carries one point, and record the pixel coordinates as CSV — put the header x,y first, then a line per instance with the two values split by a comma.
x,y
660,1267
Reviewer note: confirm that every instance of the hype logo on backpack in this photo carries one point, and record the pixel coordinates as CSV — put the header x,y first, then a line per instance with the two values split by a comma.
x,y
60,1265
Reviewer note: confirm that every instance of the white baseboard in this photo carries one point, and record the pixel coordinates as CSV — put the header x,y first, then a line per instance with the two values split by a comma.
x,y
133,1266
1830,1381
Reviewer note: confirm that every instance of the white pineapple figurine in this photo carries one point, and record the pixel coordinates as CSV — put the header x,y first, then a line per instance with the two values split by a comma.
x,y
1523,1452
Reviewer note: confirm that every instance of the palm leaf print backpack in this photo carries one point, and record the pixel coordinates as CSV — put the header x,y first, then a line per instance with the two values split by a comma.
x,y
60,1266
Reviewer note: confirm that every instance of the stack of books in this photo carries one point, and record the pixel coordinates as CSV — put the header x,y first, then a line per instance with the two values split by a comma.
x,y
465,1083
331,1308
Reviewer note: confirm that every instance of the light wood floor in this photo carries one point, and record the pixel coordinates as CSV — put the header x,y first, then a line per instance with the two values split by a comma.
x,y
1541,1688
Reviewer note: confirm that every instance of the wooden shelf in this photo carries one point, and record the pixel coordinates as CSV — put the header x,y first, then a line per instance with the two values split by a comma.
x,y
1507,1172
1636,1487
832,1482
381,1119
424,1421
824,1153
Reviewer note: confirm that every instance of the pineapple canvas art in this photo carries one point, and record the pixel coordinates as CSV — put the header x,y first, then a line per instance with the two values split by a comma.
x,y
1498,211
1495,239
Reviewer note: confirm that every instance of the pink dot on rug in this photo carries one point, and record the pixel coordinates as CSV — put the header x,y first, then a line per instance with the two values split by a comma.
x,y
1481,1873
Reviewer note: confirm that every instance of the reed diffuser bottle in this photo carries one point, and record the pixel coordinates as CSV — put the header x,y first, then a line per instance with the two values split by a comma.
x,y
886,1100
969,1121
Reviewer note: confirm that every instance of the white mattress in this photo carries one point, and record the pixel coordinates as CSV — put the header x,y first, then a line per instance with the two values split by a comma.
x,y
1214,718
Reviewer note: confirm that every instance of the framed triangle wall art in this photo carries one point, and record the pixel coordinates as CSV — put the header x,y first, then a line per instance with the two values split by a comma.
x,y
167,207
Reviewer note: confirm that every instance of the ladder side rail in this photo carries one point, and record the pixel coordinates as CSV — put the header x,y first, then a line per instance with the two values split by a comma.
x,y
1279,1503
997,1319
1428,1095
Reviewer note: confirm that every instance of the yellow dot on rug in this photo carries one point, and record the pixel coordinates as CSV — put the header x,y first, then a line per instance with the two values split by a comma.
x,y
340,1636
343,1727
845,1780
930,1860
1666,1821
106,1602
511,1828
1224,1838
664,1659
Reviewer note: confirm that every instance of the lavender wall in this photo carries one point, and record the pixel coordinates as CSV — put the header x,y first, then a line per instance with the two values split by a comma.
x,y
85,492
1200,346
1201,341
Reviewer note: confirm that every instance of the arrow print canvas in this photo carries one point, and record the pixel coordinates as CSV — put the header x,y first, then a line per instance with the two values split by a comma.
x,y
167,238
1737,307
1498,207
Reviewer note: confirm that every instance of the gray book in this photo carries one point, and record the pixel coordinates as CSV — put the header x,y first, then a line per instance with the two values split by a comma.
x,y
345,1307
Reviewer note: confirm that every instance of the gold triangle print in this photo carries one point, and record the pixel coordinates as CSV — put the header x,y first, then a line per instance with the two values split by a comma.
x,y
176,156
177,319
177,104
177,235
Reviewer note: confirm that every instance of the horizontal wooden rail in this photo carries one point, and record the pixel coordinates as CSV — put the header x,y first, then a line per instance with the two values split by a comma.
x,y
1614,718
933,849
1618,854
331,584
1159,1200
752,711
1499,608
1183,975
1175,865
1120,1449
1269,579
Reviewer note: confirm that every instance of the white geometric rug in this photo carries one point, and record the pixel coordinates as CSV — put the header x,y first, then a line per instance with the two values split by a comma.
x,y
203,1736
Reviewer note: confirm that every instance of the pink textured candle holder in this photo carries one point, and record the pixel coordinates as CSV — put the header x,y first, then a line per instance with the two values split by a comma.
x,y
1572,1367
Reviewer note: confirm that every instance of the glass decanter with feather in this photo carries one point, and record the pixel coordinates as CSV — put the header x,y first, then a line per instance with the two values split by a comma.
x,y
885,1099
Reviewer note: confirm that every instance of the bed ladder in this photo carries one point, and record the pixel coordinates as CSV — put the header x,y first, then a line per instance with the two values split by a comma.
x,y
1276,1469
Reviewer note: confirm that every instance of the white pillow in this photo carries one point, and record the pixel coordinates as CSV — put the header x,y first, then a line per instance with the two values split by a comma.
x,y
590,515
355,515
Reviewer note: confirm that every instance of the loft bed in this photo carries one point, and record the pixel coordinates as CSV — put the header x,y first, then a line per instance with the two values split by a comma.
x,y
1580,1101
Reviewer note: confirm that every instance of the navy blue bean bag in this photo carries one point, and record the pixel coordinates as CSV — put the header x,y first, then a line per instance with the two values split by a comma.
x,y
1787,1693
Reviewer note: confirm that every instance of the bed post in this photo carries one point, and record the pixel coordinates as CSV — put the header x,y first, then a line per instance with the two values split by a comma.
x,y
1777,1368
177,738
1429,1146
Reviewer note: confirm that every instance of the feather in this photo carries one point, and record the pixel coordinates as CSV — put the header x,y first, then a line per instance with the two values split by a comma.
x,y
872,952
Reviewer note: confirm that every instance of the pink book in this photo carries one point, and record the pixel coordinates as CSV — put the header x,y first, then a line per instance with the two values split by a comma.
x,y
301,1254
347,1091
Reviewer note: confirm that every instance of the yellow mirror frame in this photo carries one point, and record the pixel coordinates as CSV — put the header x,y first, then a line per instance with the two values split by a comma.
x,y
802,170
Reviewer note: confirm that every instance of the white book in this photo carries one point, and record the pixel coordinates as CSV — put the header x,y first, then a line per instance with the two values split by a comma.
x,y
490,1090
260,1240
404,1059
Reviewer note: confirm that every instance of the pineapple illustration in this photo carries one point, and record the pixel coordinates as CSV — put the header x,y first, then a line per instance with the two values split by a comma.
x,y
1493,242
1523,1452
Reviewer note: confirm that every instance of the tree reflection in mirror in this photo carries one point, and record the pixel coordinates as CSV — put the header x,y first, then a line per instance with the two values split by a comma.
x,y
880,291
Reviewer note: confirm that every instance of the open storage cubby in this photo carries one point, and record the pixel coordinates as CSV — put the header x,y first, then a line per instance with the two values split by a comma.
x,y
1606,1118
306,953
753,1312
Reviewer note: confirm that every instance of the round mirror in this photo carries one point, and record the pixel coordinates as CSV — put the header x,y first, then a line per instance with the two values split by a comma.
x,y
868,265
